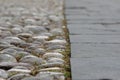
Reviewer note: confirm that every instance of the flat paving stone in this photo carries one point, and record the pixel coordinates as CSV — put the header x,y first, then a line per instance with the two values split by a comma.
x,y
96,68
94,27
103,39
92,50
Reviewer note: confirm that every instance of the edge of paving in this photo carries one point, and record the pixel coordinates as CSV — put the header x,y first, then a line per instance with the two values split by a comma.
x,y
68,50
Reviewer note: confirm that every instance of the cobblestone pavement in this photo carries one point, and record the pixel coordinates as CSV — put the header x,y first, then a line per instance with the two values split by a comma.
x,y
32,40
94,27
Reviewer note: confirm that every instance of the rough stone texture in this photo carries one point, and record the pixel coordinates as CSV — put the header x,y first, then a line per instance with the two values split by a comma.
x,y
29,29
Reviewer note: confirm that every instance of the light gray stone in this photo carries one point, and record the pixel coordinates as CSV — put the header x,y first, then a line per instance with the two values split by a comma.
x,y
9,51
31,59
7,58
35,29
3,74
32,78
52,54
19,76
16,30
15,40
57,31
52,60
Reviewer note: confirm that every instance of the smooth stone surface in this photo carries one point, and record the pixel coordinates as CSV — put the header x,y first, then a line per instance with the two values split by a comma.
x,y
52,54
33,78
31,59
35,29
52,60
3,74
7,58
9,65
94,36
95,68
91,50
19,76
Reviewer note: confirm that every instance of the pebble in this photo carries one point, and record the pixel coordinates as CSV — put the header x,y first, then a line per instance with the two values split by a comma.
x,y
15,40
19,76
3,74
7,58
16,30
35,29
57,41
31,59
31,40
9,51
57,31
54,47
33,78
52,54
39,51
52,60
13,71
54,18
49,65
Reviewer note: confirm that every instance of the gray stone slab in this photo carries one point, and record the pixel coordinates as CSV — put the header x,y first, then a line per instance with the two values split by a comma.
x,y
96,29
89,50
96,68
102,39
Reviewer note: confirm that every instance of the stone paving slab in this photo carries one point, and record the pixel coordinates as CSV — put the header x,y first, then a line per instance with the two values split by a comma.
x,y
88,50
96,68
96,29
104,39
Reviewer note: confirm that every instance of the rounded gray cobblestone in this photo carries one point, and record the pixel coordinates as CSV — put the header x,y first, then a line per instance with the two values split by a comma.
x,y
30,32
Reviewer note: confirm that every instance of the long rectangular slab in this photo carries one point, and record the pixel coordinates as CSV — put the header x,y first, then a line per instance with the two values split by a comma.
x,y
96,29
96,68
90,50
102,39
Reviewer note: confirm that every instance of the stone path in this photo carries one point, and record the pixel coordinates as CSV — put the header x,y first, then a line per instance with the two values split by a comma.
x,y
94,27
32,40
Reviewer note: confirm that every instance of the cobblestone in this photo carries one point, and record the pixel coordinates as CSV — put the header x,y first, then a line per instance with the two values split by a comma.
x,y
31,31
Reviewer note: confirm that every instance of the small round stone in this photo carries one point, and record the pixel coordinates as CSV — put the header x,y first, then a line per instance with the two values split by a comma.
x,y
15,40
31,59
52,60
57,31
13,71
19,76
35,29
24,35
33,78
54,18
7,58
57,41
39,51
3,74
52,54
9,51
16,30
